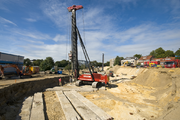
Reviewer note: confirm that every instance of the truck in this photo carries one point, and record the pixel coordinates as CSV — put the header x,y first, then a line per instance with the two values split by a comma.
x,y
172,63
6,58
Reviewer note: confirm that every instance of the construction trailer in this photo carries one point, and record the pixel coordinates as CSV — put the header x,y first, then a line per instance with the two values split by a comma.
x,y
6,58
34,69
91,77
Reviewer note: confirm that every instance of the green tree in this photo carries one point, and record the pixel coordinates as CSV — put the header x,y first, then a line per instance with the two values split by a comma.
x,y
43,66
27,62
82,67
158,53
99,64
62,63
107,63
94,63
47,64
177,54
153,53
169,53
67,67
37,62
117,61
138,55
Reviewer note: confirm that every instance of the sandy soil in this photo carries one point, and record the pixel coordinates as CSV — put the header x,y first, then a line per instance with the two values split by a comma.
x,y
152,95
53,106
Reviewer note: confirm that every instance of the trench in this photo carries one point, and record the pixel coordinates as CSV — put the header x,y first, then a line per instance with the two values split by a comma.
x,y
13,95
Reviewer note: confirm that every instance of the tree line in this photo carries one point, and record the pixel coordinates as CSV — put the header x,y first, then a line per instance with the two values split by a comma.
x,y
48,63
157,53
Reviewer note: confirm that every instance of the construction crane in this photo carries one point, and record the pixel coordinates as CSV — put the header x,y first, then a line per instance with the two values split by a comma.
x,y
91,78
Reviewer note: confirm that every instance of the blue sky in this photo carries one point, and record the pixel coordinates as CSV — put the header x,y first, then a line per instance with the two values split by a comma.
x,y
38,29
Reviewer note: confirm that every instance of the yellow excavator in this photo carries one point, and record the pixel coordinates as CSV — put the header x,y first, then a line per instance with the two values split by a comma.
x,y
125,63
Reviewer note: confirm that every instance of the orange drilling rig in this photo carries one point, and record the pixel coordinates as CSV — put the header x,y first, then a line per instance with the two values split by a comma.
x,y
91,77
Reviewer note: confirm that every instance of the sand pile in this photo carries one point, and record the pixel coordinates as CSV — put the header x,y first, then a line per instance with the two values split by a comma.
x,y
153,94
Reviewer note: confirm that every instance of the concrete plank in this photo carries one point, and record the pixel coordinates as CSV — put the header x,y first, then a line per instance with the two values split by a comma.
x,y
26,109
81,108
68,109
37,112
98,111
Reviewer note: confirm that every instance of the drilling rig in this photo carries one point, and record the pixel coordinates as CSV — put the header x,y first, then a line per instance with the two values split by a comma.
x,y
88,78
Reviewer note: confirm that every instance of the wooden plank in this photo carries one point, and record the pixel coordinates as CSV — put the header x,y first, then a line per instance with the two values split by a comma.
x,y
26,109
68,109
98,111
81,108
37,112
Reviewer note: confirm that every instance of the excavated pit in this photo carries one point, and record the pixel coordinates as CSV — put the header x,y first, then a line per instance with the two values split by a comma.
x,y
14,91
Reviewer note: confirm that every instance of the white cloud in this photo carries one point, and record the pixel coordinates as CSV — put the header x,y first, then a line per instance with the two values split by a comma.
x,y
5,21
30,19
59,37
35,34
56,11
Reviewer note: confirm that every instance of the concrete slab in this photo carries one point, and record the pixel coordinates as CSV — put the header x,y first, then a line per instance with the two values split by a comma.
x,y
26,109
98,111
37,112
68,109
81,108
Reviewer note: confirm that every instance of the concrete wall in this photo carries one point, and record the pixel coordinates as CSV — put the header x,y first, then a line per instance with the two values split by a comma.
x,y
112,62
19,90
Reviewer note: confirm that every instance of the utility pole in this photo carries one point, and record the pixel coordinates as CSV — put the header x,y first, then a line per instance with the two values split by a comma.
x,y
74,49
103,62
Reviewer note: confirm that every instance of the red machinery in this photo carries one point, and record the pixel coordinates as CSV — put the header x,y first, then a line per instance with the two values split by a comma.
x,y
91,78
147,63
172,63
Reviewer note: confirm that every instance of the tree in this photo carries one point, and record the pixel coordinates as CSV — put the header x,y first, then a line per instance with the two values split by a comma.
x,y
177,54
158,53
50,62
107,63
169,53
94,63
61,63
153,53
64,63
99,64
67,67
138,55
47,64
37,62
43,65
27,62
117,61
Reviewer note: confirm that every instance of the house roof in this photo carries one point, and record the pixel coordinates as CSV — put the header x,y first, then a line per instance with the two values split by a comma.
x,y
146,57
128,58
163,59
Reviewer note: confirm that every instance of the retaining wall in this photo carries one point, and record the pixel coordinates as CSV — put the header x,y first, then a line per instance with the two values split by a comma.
x,y
17,91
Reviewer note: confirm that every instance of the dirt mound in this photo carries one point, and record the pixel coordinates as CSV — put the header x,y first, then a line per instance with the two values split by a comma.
x,y
154,78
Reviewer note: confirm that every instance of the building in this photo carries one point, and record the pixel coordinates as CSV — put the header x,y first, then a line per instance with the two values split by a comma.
x,y
6,58
144,59
162,60
132,60
112,62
